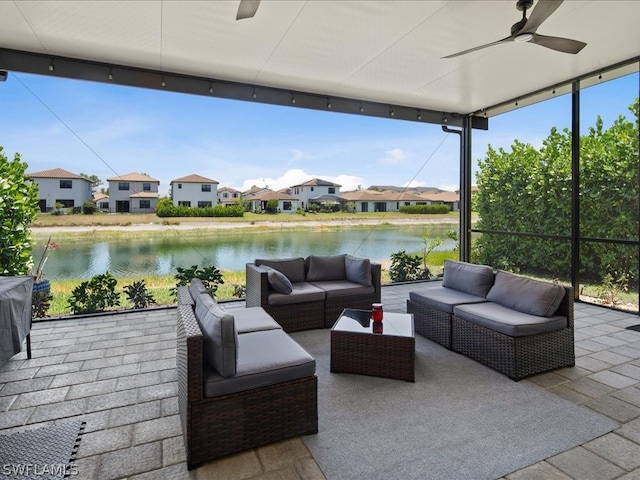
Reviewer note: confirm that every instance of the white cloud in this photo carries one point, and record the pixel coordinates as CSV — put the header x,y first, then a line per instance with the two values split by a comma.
x,y
298,155
394,156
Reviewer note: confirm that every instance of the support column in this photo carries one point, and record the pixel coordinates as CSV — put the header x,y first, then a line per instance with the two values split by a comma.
x,y
575,188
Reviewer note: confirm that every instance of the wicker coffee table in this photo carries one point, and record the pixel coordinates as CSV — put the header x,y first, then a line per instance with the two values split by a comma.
x,y
356,349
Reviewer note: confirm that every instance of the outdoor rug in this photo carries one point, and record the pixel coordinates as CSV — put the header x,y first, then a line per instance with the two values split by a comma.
x,y
459,420
42,453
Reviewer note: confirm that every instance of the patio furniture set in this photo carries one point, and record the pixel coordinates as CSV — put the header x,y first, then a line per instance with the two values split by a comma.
x,y
244,382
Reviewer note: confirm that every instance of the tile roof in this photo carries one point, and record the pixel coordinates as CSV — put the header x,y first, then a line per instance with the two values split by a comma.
x,y
269,194
56,173
317,182
194,178
133,177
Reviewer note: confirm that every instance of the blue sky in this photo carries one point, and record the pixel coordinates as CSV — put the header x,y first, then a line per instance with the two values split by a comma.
x,y
107,130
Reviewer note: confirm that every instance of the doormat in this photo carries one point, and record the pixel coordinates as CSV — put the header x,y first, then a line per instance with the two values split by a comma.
x,y
634,327
42,453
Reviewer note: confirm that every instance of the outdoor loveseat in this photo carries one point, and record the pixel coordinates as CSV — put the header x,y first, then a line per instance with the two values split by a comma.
x,y
516,325
242,381
307,293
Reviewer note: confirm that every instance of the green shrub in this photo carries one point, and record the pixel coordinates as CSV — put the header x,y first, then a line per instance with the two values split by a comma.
x,y
88,208
166,208
18,208
407,268
95,295
425,209
210,276
138,294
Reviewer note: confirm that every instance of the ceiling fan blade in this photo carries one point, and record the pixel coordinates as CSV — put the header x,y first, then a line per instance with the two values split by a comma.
x,y
247,9
464,52
542,11
565,45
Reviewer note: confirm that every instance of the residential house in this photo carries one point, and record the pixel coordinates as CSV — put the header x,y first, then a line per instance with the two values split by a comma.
x,y
133,193
102,201
392,199
228,195
316,190
258,201
58,186
194,191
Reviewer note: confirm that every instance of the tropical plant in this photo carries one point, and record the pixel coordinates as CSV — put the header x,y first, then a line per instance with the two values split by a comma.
x,y
138,294
18,208
95,295
406,268
210,276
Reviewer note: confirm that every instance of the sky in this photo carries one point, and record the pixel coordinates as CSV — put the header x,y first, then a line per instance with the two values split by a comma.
x,y
108,130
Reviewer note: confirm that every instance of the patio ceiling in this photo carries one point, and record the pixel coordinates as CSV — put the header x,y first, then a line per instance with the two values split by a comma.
x,y
384,52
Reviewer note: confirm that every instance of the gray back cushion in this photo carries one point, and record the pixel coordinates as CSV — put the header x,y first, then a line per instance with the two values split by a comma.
x,y
468,277
219,335
293,268
358,270
526,295
196,287
326,268
277,280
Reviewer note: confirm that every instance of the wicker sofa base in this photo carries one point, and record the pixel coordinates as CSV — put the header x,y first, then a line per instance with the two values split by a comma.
x,y
233,423
297,316
431,323
516,357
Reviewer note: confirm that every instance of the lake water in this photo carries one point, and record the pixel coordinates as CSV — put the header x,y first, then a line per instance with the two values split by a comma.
x,y
137,257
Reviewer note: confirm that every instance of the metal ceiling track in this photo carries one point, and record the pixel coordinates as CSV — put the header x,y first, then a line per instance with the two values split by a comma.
x,y
48,65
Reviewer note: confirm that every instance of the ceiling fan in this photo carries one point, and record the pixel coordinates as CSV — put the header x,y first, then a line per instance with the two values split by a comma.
x,y
525,30
247,9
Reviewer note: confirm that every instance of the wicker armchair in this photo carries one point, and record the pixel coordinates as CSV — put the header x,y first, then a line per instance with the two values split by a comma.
x,y
217,426
518,357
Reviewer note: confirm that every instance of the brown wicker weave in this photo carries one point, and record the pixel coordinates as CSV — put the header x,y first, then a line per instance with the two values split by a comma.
x,y
386,356
431,323
216,426
307,315
518,357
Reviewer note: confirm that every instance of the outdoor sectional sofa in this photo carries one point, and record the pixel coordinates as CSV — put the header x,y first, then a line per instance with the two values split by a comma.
x,y
242,381
307,293
516,325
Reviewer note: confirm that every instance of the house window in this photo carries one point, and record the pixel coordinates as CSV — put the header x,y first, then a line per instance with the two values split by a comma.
x,y
225,195
206,187
204,204
146,187
104,205
312,189
179,186
332,190
65,203
286,205
66,184
123,185
145,203
184,203
364,207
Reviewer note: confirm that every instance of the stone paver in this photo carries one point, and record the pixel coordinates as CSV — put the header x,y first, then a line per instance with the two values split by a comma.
x,y
117,373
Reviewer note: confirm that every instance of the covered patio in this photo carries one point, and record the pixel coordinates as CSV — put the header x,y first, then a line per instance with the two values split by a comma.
x,y
117,373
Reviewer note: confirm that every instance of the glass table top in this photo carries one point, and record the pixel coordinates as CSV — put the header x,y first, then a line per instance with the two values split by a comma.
x,y
359,321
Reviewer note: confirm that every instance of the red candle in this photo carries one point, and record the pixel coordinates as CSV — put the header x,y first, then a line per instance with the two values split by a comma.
x,y
376,312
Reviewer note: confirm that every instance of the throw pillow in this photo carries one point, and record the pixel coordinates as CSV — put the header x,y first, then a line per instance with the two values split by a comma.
x,y
326,268
358,270
526,295
278,280
220,347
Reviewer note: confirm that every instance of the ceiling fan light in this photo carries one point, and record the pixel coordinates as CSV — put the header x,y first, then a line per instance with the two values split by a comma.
x,y
524,37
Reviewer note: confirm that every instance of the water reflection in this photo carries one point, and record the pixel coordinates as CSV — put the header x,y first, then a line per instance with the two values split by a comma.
x,y
131,257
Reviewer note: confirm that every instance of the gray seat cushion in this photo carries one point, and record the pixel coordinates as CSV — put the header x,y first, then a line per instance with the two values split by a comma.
x,y
343,288
293,268
443,298
325,268
253,319
526,295
468,277
301,292
265,358
507,321
220,339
